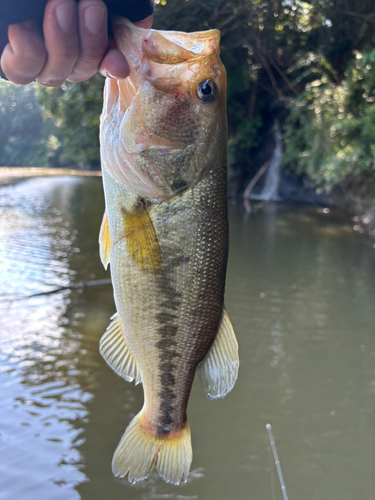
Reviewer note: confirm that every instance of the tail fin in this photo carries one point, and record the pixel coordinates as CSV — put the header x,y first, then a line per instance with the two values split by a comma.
x,y
139,450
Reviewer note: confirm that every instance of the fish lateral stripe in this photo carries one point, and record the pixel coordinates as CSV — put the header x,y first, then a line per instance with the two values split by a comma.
x,y
167,332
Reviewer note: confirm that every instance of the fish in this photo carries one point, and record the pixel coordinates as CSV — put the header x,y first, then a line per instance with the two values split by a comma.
x,y
163,137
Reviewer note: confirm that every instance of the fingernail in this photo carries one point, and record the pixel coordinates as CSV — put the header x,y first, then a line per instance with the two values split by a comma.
x,y
94,18
108,75
66,16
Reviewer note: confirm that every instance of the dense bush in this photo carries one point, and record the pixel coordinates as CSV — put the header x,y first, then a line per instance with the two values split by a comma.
x,y
330,131
27,138
76,109
310,64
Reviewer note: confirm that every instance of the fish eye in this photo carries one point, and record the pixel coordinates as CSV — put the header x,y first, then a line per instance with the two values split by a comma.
x,y
207,90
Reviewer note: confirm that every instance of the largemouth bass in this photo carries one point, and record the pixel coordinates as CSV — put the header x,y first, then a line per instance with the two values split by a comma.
x,y
165,233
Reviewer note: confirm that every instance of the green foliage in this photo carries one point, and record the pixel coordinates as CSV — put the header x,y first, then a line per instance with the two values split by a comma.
x,y
26,137
329,134
76,108
309,61
244,118
273,51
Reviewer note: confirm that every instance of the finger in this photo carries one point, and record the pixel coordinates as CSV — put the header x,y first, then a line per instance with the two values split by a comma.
x,y
92,22
61,39
114,65
24,56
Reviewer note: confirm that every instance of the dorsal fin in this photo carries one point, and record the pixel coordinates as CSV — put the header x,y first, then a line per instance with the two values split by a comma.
x,y
115,351
218,371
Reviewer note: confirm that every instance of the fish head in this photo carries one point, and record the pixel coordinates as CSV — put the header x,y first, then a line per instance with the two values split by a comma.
x,y
169,114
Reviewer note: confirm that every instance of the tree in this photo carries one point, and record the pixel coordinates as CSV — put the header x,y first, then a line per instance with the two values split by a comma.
x,y
329,134
26,137
274,51
76,108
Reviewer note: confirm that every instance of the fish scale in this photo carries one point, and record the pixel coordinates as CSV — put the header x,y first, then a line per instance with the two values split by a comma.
x,y
191,269
167,244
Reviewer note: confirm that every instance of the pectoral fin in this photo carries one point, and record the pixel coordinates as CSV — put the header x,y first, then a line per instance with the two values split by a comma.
x,y
115,351
218,371
141,240
104,242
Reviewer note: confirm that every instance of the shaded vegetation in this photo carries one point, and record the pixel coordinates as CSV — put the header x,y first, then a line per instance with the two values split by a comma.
x,y
330,131
310,64
76,109
27,137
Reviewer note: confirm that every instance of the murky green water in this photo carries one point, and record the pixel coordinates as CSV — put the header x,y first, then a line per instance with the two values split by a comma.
x,y
301,295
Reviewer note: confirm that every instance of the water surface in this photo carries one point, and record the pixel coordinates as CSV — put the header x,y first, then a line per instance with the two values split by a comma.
x,y
301,295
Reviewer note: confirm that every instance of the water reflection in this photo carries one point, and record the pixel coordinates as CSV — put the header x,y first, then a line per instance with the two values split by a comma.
x,y
42,397
300,292
301,302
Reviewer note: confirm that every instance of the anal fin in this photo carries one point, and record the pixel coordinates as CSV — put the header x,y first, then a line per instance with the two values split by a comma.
x,y
115,351
218,371
104,242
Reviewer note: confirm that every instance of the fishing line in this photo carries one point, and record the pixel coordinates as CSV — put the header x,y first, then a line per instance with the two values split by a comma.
x,y
82,285
277,461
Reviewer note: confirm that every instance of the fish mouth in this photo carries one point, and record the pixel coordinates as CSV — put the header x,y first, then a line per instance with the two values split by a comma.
x,y
163,47
171,61
158,57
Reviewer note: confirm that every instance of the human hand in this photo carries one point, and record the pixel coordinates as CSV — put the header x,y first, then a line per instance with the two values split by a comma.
x,y
74,47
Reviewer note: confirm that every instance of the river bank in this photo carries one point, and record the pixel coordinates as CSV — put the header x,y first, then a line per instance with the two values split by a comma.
x,y
8,173
286,188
